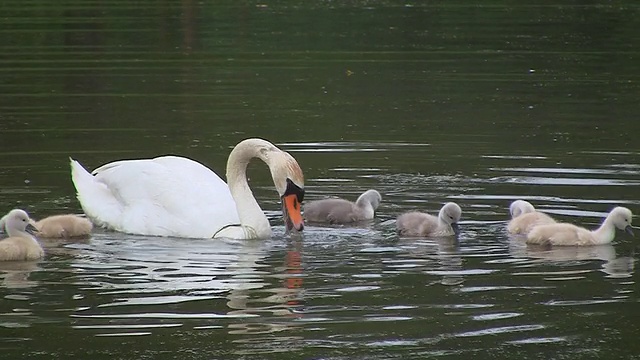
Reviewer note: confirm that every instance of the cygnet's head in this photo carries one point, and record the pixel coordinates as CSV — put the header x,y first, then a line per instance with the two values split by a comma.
x,y
621,218
520,207
372,197
450,213
18,221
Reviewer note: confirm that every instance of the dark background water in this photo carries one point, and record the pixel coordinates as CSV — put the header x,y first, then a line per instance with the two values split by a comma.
x,y
425,101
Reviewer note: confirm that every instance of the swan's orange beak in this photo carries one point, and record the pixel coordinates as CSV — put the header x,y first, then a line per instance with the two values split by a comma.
x,y
291,212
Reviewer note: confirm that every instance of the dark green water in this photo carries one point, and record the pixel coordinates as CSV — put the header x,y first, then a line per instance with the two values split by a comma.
x,y
428,101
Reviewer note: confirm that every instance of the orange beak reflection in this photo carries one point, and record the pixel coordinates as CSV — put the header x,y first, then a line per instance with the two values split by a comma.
x,y
291,212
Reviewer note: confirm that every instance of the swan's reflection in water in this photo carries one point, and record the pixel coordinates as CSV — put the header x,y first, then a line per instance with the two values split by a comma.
x,y
444,253
448,253
613,265
17,274
145,281
278,304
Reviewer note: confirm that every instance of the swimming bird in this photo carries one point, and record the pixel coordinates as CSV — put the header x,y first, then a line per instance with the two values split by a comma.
x,y
20,245
572,235
420,224
64,226
341,211
176,196
524,217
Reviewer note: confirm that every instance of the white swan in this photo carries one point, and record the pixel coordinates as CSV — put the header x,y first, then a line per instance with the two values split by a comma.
x,y
176,196
341,211
572,235
20,245
420,224
524,217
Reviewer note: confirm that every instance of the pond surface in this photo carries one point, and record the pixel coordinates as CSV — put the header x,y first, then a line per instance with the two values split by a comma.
x,y
427,102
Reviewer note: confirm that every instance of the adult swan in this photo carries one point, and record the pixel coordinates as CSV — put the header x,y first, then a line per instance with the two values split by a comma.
x,y
176,196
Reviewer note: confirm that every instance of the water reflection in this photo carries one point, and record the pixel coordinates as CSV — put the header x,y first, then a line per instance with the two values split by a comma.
x,y
411,98
18,274
132,272
612,265
446,253
283,299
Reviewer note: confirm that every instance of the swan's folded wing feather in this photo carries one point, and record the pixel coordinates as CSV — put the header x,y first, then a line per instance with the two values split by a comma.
x,y
169,196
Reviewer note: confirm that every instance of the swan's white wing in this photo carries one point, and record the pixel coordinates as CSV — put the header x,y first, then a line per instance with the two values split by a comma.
x,y
166,196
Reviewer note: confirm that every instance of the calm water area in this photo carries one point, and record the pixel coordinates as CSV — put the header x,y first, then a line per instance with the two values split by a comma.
x,y
477,102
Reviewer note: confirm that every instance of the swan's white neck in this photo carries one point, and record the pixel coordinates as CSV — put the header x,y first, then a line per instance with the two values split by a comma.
x,y
443,226
252,219
441,222
366,206
605,233
367,210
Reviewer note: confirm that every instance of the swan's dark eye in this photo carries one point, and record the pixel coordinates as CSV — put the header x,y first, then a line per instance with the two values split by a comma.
x,y
292,188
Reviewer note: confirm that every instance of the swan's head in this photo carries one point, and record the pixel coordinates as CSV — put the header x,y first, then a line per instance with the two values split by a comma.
x,y
372,197
285,172
621,218
520,207
450,214
18,220
289,181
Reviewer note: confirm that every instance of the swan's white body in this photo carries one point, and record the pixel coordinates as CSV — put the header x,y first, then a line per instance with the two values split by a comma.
x,y
176,196
564,234
417,223
20,245
524,217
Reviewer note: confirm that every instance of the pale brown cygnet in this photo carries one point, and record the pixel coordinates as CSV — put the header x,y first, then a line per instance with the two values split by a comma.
x,y
64,226
572,235
21,244
421,224
341,211
524,217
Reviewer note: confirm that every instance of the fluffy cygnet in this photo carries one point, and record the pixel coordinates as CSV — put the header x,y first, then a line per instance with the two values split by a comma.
x,y
64,226
20,245
572,235
524,217
420,224
340,211
59,226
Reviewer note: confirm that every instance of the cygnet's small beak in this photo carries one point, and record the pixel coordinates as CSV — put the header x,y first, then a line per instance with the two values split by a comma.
x,y
629,230
292,213
456,228
31,229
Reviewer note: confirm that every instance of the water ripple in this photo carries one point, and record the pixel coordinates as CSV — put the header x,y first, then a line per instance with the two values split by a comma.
x,y
500,330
